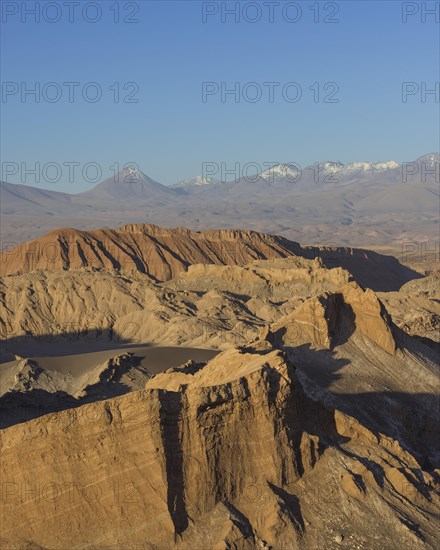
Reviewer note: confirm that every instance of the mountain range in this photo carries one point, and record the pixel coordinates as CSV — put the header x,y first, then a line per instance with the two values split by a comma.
x,y
358,204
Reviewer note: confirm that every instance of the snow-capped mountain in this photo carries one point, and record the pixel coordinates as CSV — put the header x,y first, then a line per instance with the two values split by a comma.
x,y
288,171
326,199
197,181
432,160
330,166
329,172
294,173
371,167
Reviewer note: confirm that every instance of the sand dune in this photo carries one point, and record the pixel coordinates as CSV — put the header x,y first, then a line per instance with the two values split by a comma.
x,y
35,386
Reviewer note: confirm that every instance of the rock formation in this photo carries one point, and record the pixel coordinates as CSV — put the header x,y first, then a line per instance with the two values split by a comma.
x,y
231,455
163,253
315,427
328,319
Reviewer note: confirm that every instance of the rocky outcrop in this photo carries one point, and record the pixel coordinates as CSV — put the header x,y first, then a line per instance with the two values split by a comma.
x,y
329,319
26,375
28,391
320,429
416,308
208,306
124,372
232,454
370,317
163,253
275,279
158,252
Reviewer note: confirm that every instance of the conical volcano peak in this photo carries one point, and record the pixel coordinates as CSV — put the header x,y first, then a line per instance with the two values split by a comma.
x,y
129,174
131,182
131,170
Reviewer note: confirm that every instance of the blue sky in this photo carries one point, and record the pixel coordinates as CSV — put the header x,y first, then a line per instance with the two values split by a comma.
x,y
170,132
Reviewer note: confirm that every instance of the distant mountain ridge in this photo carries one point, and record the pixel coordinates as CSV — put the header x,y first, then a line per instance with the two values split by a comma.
x,y
133,182
290,170
198,180
356,204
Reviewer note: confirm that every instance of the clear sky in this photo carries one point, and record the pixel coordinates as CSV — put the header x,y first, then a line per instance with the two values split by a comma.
x,y
367,52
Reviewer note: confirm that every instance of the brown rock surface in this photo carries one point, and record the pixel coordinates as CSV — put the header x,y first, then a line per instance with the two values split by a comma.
x,y
328,319
320,430
159,252
416,307
208,306
234,455
164,253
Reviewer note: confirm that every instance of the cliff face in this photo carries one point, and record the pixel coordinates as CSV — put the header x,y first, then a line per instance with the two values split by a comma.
x,y
320,431
207,306
214,306
416,307
232,454
331,318
158,252
163,253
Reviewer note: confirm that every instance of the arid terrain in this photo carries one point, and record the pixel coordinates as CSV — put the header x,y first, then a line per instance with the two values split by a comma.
x,y
362,204
169,388
219,275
